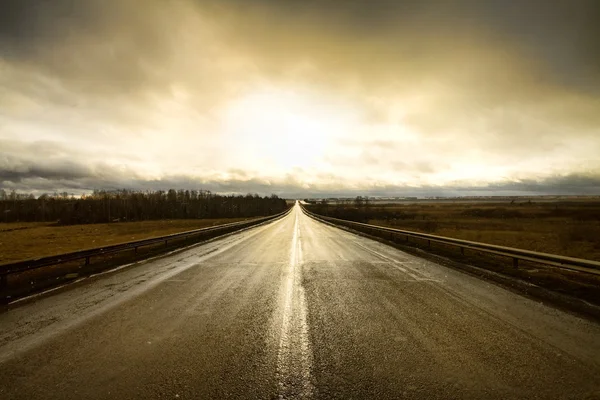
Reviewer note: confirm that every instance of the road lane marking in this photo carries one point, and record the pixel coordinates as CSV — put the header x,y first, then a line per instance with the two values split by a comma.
x,y
397,264
294,357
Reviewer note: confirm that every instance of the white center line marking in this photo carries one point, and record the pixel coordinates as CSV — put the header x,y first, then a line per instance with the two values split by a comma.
x,y
397,264
294,357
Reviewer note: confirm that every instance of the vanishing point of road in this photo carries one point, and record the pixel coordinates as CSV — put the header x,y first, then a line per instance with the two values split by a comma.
x,y
294,309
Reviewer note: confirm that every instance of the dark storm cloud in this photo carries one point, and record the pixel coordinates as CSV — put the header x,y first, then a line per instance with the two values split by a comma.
x,y
12,170
26,26
106,47
562,34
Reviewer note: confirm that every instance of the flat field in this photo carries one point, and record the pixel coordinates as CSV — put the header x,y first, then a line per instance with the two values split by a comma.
x,y
570,228
22,241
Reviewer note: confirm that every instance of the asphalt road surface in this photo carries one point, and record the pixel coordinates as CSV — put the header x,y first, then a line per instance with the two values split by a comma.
x,y
294,309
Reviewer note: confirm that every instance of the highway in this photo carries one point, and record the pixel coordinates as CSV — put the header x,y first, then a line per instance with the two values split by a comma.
x,y
294,309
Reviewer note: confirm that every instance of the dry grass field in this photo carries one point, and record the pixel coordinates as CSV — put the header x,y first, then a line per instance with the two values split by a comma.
x,y
21,241
570,228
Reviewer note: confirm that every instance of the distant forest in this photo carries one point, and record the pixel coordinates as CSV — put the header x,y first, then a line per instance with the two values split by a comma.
x,y
126,205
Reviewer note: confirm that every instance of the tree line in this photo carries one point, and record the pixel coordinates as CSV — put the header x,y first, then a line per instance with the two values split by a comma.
x,y
128,205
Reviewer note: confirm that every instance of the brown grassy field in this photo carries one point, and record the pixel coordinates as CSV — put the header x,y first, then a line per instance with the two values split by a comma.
x,y
565,228
21,241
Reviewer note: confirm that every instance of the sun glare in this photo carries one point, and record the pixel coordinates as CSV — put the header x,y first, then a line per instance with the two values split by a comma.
x,y
284,129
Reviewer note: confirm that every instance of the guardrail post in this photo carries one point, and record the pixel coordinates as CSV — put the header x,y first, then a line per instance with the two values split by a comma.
x,y
166,242
429,243
515,262
135,249
462,251
87,260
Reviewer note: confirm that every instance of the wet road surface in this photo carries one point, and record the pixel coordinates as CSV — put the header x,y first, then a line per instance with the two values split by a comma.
x,y
294,309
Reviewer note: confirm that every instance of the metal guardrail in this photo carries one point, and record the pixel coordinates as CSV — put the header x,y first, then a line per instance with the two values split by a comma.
x,y
209,232
571,263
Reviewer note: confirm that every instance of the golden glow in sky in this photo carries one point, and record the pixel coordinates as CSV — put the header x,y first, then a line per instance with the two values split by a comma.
x,y
380,97
283,129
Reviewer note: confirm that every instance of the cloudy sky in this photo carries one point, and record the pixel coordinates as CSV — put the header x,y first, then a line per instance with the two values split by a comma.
x,y
301,98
